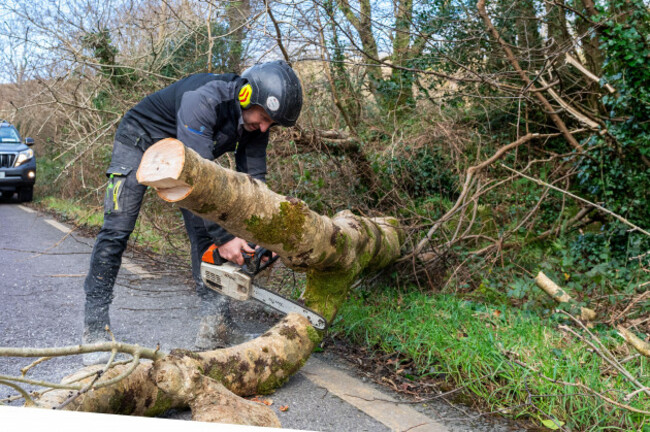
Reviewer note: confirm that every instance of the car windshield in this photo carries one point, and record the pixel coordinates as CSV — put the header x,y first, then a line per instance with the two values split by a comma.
x,y
9,135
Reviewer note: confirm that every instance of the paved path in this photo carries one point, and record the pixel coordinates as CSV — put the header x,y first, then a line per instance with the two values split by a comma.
x,y
42,267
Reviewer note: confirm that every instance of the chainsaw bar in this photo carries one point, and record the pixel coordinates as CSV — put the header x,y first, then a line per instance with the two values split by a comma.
x,y
285,305
229,280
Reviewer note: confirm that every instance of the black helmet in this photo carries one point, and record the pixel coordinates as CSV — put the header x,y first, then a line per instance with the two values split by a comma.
x,y
277,89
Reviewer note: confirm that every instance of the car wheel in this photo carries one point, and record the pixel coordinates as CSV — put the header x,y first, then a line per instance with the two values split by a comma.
x,y
6,196
26,194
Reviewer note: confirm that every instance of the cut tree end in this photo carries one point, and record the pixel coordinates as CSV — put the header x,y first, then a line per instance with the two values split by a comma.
x,y
161,167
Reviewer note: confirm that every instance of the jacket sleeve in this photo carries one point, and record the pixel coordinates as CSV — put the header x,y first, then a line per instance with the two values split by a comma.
x,y
250,156
195,121
219,235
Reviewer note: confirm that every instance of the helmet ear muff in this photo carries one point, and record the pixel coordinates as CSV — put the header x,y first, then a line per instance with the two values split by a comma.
x,y
245,95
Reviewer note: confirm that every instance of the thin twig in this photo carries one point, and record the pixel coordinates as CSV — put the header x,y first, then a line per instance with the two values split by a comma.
x,y
582,386
469,178
68,401
28,400
24,370
599,207
602,351
146,353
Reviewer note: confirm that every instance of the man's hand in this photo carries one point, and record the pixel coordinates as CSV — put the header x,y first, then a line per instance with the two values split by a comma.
x,y
232,251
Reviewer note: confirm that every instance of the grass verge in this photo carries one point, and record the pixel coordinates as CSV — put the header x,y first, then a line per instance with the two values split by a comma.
x,y
501,356
151,236
80,214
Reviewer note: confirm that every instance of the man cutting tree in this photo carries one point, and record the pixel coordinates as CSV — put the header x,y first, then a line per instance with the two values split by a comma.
x,y
212,114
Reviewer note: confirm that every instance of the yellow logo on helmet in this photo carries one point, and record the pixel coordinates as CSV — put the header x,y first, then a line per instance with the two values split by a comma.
x,y
245,95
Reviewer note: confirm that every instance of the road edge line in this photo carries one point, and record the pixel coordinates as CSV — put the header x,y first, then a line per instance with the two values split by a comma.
x,y
369,400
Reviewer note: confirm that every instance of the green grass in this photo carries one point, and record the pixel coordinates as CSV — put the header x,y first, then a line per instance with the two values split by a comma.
x,y
80,214
145,234
468,344
477,346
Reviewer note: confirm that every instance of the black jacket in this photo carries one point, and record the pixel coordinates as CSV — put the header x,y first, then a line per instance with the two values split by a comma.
x,y
203,112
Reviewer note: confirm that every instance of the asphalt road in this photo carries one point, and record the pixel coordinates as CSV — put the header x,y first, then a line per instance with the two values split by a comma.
x,y
42,268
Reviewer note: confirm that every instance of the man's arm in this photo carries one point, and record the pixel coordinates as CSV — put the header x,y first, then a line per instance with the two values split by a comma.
x,y
196,120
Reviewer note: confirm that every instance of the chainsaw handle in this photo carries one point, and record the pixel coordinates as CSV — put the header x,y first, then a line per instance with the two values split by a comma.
x,y
253,262
249,258
211,255
260,254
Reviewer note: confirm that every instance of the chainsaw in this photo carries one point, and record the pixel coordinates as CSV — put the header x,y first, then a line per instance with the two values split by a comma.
x,y
237,282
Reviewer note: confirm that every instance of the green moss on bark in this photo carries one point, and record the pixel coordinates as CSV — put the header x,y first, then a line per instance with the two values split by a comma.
x,y
326,291
232,367
275,380
122,403
342,242
161,405
314,335
388,251
272,383
285,227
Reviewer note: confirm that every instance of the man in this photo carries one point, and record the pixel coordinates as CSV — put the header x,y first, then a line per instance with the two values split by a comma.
x,y
211,114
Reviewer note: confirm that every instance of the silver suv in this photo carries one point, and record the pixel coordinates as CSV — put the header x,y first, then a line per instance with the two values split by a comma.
x,y
17,164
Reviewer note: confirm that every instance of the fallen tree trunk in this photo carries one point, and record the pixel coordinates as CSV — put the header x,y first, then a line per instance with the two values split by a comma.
x,y
209,383
332,251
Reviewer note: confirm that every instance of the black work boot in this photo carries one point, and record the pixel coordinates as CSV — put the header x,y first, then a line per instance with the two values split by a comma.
x,y
217,328
216,331
90,337
96,328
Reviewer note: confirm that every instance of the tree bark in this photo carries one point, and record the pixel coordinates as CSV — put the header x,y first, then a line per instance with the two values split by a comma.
x,y
363,25
343,93
529,40
209,383
561,296
592,54
237,13
637,343
332,251
401,54
557,24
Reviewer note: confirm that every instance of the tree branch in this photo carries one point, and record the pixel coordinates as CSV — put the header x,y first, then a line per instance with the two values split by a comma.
x,y
524,77
601,208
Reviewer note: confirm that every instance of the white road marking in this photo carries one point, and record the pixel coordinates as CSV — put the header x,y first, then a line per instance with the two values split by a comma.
x,y
374,403
27,209
136,269
58,226
126,263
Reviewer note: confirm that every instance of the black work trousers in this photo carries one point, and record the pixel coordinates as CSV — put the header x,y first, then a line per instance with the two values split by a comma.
x,y
122,203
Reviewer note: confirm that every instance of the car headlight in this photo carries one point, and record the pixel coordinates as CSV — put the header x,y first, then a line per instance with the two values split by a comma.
x,y
24,156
